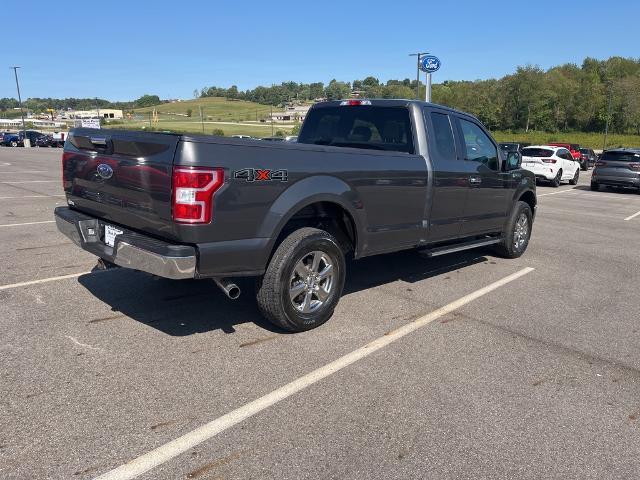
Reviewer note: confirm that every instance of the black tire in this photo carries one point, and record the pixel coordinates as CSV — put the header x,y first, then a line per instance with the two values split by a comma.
x,y
576,177
509,248
14,143
273,289
595,186
555,183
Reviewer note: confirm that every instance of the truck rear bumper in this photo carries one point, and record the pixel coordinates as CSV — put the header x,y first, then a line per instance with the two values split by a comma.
x,y
131,249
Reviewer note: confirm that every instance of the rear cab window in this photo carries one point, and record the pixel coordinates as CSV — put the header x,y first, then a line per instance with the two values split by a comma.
x,y
362,126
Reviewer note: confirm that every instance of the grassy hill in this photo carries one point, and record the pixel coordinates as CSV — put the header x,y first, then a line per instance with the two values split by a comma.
x,y
233,117
219,109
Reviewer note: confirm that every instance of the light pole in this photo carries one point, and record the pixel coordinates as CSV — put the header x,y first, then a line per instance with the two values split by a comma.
x,y
25,140
419,55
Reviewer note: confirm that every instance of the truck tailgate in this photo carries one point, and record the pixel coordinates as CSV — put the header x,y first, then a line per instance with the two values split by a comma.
x,y
121,177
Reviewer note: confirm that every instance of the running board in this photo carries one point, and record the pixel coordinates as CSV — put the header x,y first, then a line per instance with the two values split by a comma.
x,y
436,252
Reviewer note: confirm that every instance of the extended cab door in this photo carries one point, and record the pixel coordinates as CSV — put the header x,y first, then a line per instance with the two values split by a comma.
x,y
450,176
490,189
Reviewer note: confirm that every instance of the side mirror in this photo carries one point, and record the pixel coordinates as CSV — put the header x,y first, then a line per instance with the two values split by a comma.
x,y
514,159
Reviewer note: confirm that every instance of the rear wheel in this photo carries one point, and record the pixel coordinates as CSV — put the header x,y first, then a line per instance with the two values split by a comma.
x,y
303,282
556,181
576,177
13,143
517,233
595,186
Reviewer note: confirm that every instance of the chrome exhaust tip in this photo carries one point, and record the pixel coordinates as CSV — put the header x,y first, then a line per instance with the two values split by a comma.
x,y
229,288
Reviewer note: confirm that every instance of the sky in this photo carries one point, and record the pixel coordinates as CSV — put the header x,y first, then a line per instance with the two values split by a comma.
x,y
121,50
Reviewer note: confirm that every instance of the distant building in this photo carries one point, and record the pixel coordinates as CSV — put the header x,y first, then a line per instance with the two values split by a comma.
x,y
103,113
291,113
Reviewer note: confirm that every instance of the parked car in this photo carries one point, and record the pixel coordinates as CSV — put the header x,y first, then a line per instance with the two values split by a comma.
x,y
589,158
17,139
291,138
273,139
550,163
618,167
10,140
573,148
248,137
44,141
366,177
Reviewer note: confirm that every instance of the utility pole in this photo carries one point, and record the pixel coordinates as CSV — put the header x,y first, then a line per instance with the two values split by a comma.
x,y
419,55
272,120
201,118
606,127
97,110
25,140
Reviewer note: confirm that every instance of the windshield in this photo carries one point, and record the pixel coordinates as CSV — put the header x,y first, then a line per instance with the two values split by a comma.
x,y
621,156
537,152
585,151
362,126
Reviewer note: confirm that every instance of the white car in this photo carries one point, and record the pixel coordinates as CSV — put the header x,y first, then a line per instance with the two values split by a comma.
x,y
552,164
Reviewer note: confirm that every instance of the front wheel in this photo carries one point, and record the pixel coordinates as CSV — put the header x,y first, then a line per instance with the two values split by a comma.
x,y
518,232
595,187
14,143
576,177
303,282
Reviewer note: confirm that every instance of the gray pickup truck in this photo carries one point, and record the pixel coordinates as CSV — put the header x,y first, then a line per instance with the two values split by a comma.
x,y
366,177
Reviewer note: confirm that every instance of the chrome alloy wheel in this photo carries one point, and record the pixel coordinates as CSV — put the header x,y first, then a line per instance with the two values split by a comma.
x,y
311,282
521,231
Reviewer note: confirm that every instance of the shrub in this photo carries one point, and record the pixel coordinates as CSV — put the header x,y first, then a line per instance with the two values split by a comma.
x,y
218,132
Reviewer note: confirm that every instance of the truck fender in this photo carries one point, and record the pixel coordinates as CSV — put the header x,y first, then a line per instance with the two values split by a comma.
x,y
310,190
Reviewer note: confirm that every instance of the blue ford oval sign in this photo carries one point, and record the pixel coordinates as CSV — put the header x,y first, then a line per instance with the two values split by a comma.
x,y
105,171
430,64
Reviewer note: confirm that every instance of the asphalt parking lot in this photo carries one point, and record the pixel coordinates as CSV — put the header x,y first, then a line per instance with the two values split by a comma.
x,y
537,376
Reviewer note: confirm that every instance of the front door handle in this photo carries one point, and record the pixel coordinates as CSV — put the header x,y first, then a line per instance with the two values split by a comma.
x,y
473,180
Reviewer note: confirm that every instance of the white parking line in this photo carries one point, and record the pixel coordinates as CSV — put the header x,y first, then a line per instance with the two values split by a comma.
x,y
560,191
632,216
27,223
33,181
172,449
26,171
31,196
43,280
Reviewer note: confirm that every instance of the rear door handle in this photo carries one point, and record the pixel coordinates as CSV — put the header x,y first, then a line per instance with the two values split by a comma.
x,y
473,180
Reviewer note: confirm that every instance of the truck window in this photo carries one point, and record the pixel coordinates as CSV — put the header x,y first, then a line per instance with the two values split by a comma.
x,y
443,136
362,126
479,146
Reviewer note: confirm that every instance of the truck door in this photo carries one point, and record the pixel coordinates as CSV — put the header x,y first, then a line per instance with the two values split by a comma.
x,y
450,176
489,188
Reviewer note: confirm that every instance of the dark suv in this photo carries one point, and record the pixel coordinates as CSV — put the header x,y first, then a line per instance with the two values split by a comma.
x,y
619,167
588,158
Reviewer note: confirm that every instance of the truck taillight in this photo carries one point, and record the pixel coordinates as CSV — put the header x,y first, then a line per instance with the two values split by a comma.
x,y
549,160
65,158
193,190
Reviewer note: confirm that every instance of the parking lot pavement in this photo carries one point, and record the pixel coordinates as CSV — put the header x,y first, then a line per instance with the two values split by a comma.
x,y
538,378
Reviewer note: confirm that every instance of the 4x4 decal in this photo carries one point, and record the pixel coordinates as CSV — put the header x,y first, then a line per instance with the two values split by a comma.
x,y
261,175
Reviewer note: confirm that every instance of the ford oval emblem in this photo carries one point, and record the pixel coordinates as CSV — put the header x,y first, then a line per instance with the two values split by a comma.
x,y
105,171
430,63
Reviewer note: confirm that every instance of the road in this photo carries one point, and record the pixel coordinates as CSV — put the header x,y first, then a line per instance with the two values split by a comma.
x,y
536,376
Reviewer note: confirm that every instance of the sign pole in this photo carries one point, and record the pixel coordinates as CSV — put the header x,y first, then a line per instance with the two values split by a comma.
x,y
428,65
